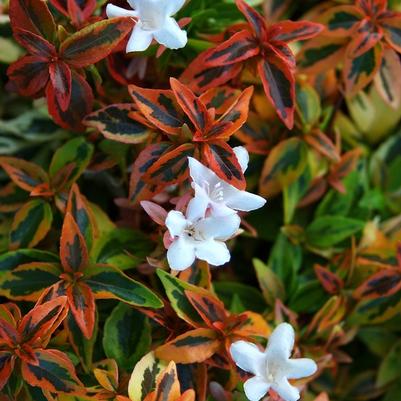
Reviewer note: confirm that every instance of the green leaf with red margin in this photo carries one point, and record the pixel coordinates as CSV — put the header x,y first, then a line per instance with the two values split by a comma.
x,y
29,280
34,16
193,346
31,224
114,122
12,198
210,308
256,21
73,250
219,98
191,105
81,102
288,31
323,144
321,54
6,367
388,79
42,320
222,160
94,42
392,31
83,347
81,302
360,71
384,283
175,290
143,377
284,165
159,107
199,76
341,21
240,47
61,80
25,174
35,44
237,114
53,372
79,209
107,282
329,280
171,167
13,259
365,37
279,85
167,384
30,75
138,189
127,336
77,152
9,335
250,324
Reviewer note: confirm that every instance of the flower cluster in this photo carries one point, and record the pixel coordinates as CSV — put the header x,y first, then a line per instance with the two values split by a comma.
x,y
211,217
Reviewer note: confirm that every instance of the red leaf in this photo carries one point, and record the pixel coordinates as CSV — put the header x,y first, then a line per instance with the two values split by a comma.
x,y
35,44
381,284
222,160
159,107
30,74
82,305
241,46
288,31
78,11
6,367
192,106
8,333
41,321
330,281
323,144
95,42
33,16
73,250
363,39
60,77
279,85
155,211
80,104
255,20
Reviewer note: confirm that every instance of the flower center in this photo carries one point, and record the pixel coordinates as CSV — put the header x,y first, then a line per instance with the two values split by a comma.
x,y
215,192
192,232
272,370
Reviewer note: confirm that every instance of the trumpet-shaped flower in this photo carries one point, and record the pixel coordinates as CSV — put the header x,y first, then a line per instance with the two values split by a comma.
x,y
201,238
272,368
154,21
217,195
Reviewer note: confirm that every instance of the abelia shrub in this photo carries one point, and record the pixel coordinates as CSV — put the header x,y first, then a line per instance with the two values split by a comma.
x,y
200,200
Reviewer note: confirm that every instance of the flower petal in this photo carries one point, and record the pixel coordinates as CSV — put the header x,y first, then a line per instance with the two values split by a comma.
x,y
200,174
248,357
302,367
281,342
140,39
256,388
197,206
180,254
171,35
173,6
220,228
213,252
242,156
286,391
113,11
244,201
175,222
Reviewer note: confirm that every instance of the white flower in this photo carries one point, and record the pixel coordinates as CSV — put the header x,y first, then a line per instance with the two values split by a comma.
x,y
154,22
272,368
216,194
201,238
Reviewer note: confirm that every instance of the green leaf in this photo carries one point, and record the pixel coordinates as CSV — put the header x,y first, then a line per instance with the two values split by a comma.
x,y
31,224
127,336
390,367
326,231
107,282
308,105
11,260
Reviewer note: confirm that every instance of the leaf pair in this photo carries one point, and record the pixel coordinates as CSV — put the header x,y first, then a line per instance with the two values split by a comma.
x,y
267,47
56,72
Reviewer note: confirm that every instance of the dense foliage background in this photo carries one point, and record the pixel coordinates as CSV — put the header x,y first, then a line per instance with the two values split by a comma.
x,y
84,265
